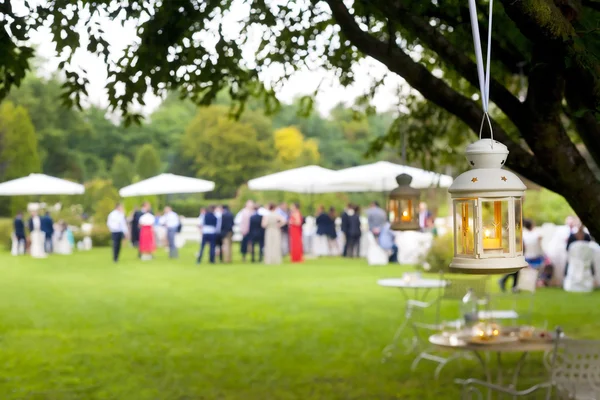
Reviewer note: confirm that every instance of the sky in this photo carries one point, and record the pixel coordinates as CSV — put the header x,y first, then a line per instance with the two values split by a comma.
x,y
302,83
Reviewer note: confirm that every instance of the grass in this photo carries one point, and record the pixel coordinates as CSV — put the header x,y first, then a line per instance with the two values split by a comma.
x,y
81,327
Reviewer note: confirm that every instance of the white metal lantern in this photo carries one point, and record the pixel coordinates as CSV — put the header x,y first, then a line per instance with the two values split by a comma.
x,y
487,202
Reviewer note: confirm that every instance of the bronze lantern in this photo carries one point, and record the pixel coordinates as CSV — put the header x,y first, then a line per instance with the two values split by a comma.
x,y
403,205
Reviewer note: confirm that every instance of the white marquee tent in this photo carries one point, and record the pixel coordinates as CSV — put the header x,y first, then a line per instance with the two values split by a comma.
x,y
167,184
381,177
306,179
40,185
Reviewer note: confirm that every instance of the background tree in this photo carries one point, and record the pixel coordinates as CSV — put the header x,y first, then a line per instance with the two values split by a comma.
x,y
553,43
147,162
293,150
228,151
122,171
18,150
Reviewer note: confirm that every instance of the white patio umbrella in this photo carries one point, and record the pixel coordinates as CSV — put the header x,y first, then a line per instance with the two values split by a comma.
x,y
39,185
167,184
309,179
381,177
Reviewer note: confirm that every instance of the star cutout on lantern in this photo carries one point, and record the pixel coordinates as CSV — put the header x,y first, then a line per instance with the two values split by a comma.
x,y
474,180
504,178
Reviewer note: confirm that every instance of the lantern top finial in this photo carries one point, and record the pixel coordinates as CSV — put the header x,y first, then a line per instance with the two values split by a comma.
x,y
486,153
404,180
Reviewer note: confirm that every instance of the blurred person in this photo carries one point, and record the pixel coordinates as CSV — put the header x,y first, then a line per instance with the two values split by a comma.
x,y
332,234
19,230
245,215
64,244
282,211
135,223
227,222
387,241
147,243
323,222
36,236
376,217
48,229
257,234
219,238
272,223
532,251
346,214
354,233
117,225
579,235
208,222
295,231
134,226
425,217
172,223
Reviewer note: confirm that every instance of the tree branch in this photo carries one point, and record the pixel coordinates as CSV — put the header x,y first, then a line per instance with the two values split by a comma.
x,y
437,42
544,23
436,90
513,60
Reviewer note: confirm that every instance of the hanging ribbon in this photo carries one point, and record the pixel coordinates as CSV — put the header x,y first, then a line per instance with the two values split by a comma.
x,y
484,78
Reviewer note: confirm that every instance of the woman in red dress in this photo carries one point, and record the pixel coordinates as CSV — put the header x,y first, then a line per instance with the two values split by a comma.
x,y
295,233
147,245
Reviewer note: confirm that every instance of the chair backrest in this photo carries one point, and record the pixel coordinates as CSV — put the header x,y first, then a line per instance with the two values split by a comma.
x,y
527,280
576,369
580,253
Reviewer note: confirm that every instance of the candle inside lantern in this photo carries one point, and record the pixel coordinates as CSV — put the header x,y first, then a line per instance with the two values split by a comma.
x,y
405,215
490,243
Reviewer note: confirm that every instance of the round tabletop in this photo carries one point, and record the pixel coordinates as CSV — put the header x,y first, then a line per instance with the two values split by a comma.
x,y
413,283
450,341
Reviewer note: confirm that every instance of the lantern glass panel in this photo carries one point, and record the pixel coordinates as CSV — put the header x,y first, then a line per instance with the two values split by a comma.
x,y
464,234
518,226
495,233
393,209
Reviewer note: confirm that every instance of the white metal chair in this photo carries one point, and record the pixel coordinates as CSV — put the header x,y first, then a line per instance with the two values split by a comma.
x,y
574,374
579,275
375,254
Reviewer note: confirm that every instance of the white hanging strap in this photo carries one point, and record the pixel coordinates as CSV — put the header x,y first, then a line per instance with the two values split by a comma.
x,y
484,78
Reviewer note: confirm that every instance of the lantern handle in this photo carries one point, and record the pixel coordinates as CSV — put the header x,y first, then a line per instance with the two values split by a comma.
x,y
484,77
486,116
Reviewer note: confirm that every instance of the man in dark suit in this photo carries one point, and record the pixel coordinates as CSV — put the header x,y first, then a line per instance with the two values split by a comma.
x,y
209,234
47,226
257,234
19,227
227,221
345,225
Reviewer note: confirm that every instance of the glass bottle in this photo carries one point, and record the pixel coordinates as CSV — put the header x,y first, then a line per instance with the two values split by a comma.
x,y
469,309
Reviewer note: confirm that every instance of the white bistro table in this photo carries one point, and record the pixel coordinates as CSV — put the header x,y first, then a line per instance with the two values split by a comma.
x,y
455,342
412,288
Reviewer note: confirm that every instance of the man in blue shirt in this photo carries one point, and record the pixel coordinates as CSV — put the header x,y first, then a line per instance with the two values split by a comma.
x,y
387,241
209,233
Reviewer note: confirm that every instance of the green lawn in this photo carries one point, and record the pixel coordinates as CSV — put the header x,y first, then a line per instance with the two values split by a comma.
x,y
81,327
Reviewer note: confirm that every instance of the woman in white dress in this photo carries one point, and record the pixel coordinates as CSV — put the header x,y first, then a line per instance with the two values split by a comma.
x,y
36,236
272,223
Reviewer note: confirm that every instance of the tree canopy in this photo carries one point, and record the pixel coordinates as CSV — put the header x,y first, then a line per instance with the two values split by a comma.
x,y
546,69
